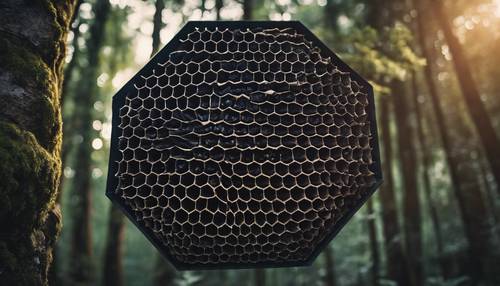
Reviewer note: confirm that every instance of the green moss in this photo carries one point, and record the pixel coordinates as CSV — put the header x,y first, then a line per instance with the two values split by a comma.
x,y
32,73
29,176
59,21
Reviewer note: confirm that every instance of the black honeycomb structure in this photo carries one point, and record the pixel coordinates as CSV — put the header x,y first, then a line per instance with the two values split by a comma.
x,y
243,144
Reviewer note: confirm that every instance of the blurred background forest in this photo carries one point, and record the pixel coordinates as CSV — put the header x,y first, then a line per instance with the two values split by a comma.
x,y
435,68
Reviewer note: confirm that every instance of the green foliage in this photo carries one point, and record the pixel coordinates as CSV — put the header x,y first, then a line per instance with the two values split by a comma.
x,y
378,56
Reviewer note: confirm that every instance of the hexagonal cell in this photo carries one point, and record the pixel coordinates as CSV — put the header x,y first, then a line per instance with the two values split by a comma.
x,y
244,144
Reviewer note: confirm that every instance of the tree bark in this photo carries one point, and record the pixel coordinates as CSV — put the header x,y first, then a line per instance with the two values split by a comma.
x,y
411,200
476,108
330,278
372,233
464,180
426,161
113,268
31,75
82,271
68,74
397,267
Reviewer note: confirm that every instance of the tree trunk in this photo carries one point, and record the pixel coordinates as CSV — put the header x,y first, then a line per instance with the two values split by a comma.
x,y
476,108
489,193
330,279
247,10
260,277
113,268
157,25
464,180
411,200
218,6
397,267
474,212
81,246
70,67
372,233
202,7
31,75
425,159
165,273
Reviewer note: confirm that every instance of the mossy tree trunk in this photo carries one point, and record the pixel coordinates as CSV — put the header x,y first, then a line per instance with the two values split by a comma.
x,y
31,76
81,245
68,75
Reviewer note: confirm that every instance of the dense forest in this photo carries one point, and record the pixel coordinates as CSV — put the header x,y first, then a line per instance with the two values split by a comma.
x,y
434,68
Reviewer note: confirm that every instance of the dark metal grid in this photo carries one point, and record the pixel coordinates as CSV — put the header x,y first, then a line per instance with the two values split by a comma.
x,y
162,56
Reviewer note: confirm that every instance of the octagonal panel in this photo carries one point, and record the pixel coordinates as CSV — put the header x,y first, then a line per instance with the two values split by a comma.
x,y
243,144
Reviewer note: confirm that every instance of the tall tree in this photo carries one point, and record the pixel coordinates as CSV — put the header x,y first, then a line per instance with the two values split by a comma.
x,y
397,267
470,92
372,233
464,180
330,279
411,200
81,246
165,274
260,277
406,151
31,76
248,9
157,25
113,268
203,8
73,63
218,7
425,162
396,257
